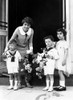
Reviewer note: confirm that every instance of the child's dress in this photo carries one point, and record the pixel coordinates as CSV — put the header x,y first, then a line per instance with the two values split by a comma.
x,y
13,63
61,47
50,62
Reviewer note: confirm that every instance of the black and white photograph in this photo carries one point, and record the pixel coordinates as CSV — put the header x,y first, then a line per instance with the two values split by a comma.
x,y
36,49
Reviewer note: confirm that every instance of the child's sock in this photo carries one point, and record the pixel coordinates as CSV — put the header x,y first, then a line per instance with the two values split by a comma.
x,y
62,83
11,84
51,85
47,83
16,85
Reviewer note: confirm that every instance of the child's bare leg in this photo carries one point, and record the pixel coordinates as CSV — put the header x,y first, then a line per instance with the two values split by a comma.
x,y
10,81
47,83
51,82
15,81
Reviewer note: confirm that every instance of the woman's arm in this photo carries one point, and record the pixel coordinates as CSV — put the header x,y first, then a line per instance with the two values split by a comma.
x,y
14,35
31,42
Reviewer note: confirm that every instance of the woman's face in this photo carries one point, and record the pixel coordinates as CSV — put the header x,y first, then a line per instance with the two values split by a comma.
x,y
26,27
60,35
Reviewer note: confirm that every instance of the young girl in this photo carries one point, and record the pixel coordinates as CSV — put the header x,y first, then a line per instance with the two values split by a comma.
x,y
62,48
51,56
12,63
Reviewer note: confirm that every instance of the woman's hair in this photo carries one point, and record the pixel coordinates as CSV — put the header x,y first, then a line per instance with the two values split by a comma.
x,y
27,20
49,37
63,31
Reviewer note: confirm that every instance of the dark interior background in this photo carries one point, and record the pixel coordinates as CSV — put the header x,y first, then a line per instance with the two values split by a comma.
x,y
46,15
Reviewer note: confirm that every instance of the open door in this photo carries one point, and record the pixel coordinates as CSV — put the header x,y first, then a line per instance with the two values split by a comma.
x,y
46,15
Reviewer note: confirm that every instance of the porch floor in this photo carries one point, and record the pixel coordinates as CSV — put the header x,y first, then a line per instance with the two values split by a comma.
x,y
35,93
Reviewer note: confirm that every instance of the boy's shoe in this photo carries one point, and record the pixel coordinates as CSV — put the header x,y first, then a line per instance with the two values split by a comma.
x,y
15,88
50,89
60,88
45,89
10,87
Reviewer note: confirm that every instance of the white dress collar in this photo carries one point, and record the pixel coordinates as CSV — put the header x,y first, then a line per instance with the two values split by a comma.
x,y
23,33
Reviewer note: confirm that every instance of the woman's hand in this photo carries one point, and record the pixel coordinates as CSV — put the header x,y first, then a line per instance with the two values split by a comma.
x,y
29,52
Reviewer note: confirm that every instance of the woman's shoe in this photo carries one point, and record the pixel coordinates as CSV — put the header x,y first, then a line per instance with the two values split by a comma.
x,y
28,85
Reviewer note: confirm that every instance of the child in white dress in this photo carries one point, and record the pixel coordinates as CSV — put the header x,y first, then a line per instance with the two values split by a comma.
x,y
51,56
62,48
12,64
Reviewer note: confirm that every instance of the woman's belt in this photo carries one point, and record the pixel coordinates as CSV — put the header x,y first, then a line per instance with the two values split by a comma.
x,y
22,46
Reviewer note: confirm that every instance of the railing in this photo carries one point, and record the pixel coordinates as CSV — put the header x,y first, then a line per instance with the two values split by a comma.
x,y
3,25
3,37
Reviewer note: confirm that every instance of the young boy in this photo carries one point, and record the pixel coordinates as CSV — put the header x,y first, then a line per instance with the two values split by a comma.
x,y
12,62
51,56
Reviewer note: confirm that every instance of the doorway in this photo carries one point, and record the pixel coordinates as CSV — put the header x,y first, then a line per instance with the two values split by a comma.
x,y
46,15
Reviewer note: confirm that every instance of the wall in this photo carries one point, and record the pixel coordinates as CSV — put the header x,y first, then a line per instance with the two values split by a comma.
x,y
71,33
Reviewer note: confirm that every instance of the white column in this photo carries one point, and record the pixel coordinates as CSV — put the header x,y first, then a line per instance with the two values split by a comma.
x,y
3,13
7,11
68,21
71,31
64,13
7,19
68,29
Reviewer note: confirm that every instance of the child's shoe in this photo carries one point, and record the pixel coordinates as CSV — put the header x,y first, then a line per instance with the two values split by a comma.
x,y
46,88
15,88
56,88
50,89
61,88
10,87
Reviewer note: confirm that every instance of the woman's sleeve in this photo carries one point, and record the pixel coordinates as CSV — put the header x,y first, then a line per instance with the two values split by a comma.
x,y
31,41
